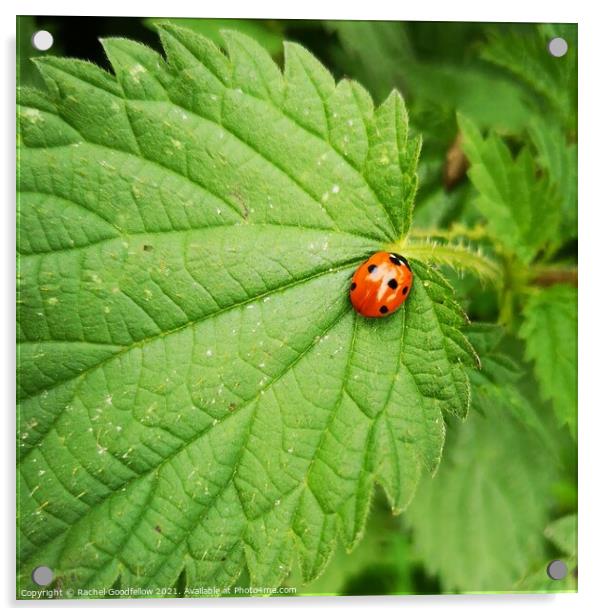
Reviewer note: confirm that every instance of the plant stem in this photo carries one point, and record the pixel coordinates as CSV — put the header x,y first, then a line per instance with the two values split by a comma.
x,y
546,276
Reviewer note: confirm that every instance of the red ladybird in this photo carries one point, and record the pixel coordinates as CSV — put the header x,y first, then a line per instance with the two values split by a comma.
x,y
381,284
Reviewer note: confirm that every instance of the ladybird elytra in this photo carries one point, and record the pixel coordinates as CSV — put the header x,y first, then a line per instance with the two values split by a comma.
x,y
381,284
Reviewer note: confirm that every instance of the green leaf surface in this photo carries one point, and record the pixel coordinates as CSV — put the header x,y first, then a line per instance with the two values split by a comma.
x,y
195,393
478,524
521,209
550,333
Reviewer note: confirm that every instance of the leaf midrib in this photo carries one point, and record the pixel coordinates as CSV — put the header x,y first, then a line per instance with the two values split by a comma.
x,y
149,339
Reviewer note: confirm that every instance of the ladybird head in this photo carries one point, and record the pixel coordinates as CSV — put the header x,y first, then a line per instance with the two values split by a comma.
x,y
398,259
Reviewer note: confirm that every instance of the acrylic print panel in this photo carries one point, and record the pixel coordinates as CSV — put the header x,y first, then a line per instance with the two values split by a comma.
x,y
204,408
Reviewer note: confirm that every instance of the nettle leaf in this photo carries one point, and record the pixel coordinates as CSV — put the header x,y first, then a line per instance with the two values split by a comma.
x,y
478,525
559,159
521,209
550,333
196,393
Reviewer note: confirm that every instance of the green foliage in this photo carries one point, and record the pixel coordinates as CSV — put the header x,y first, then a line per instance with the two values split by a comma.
x,y
562,535
559,159
195,392
553,80
381,563
376,53
27,75
381,56
478,524
550,333
522,211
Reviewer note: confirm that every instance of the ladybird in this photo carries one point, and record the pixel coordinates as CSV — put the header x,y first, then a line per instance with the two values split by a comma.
x,y
381,284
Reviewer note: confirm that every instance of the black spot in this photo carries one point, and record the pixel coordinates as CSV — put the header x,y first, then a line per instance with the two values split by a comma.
x,y
392,283
147,247
158,529
398,260
383,310
353,285
404,290
371,267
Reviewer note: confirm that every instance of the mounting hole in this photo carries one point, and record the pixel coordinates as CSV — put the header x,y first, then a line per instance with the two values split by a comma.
x,y
42,40
557,570
558,47
42,576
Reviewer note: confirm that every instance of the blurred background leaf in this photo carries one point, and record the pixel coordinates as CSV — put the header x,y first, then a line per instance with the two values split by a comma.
x,y
479,524
562,537
550,333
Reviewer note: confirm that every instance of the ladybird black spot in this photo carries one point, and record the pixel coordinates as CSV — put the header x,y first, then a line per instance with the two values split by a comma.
x,y
392,283
404,290
371,267
383,310
353,285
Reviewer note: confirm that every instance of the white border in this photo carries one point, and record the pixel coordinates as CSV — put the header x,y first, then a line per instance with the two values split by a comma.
x,y
590,411
459,10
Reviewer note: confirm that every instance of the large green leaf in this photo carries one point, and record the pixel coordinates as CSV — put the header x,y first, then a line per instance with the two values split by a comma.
x,y
478,525
196,394
550,334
